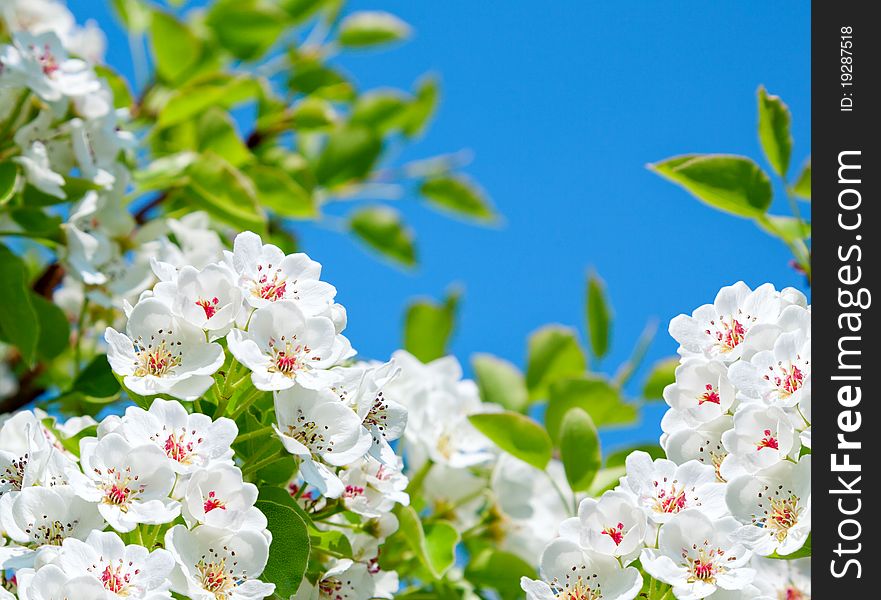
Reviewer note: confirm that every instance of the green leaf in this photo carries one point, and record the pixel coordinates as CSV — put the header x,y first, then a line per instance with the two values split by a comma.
x,y
381,228
165,172
349,155
122,95
176,49
300,10
8,181
579,449
278,192
802,185
334,541
246,28
313,114
422,107
435,547
802,552
734,184
500,382
428,326
97,380
619,457
192,100
371,28
553,353
605,480
280,496
593,394
380,110
311,77
54,328
19,324
599,315
459,195
217,133
225,192
516,434
290,548
774,134
36,222
499,570
663,373
134,14
441,539
788,229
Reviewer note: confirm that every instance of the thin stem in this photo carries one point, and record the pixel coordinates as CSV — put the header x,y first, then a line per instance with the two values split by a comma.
x,y
245,404
254,434
260,464
566,501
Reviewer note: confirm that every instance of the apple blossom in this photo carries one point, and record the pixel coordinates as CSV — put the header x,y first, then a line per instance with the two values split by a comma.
x,y
161,353
778,377
701,392
612,525
761,437
569,571
130,484
283,347
214,563
51,583
697,555
220,498
774,506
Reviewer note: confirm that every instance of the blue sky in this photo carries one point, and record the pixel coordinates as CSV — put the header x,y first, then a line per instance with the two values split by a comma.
x,y
562,104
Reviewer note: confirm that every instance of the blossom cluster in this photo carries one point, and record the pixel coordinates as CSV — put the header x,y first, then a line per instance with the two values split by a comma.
x,y
146,477
466,480
733,495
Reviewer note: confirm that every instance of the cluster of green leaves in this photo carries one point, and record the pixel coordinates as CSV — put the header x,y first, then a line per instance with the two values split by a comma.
x,y
553,409
739,186
315,138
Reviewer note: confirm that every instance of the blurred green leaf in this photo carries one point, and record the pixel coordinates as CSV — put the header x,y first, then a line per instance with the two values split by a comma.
x,y
381,228
579,449
225,192
802,185
788,229
441,539
619,457
176,49
593,394
605,480
193,99
313,78
134,14
553,353
380,110
734,184
500,382
349,154
457,194
36,222
499,570
290,548
246,28
663,373
313,113
371,28
599,315
217,133
122,95
8,180
279,193
165,172
54,329
300,10
774,133
19,323
97,380
428,326
516,434
422,107
436,555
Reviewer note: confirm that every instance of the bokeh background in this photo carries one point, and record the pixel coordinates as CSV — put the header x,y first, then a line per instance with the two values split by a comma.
x,y
562,104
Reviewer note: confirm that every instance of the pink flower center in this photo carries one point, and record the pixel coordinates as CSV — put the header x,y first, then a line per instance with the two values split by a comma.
x,y
783,516
214,578
209,306
178,449
670,501
47,60
212,502
705,566
711,395
120,487
728,335
616,533
792,593
353,490
788,381
768,441
116,579
289,356
269,288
